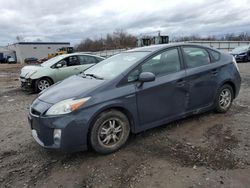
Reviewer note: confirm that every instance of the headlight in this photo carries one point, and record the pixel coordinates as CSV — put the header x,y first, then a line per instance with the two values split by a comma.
x,y
66,106
243,54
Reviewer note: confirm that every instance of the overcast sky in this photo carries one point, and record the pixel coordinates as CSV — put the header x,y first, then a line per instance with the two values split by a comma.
x,y
74,20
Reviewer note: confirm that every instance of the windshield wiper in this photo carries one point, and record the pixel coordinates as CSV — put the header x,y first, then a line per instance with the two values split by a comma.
x,y
94,76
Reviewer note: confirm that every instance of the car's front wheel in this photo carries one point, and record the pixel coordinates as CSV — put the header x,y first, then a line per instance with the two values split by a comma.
x,y
224,99
247,58
109,132
43,84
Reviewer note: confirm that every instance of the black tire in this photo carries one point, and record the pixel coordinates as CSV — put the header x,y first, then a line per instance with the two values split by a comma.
x,y
101,135
248,58
47,82
245,59
223,91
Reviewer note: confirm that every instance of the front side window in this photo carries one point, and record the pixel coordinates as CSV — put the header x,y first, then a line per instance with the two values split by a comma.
x,y
68,61
72,61
161,64
195,57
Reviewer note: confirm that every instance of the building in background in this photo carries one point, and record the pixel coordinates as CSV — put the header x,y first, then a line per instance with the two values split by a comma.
x,y
37,50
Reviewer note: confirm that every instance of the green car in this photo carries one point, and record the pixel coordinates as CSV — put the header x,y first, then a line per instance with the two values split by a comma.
x,y
39,77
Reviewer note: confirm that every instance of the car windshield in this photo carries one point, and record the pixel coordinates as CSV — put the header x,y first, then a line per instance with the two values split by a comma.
x,y
52,61
115,65
240,49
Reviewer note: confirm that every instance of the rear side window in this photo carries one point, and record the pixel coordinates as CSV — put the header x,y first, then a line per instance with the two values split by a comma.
x,y
215,56
99,59
195,57
87,59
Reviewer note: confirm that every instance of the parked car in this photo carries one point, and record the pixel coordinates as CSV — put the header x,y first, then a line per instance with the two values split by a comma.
x,y
130,92
2,59
242,53
31,60
11,60
43,60
40,77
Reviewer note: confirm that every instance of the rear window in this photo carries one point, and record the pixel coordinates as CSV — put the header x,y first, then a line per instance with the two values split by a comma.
x,y
215,56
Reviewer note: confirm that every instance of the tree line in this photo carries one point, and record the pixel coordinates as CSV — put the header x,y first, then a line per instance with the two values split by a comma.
x,y
227,37
120,39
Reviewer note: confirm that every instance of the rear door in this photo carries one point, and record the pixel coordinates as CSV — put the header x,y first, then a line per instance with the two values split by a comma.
x,y
201,77
164,98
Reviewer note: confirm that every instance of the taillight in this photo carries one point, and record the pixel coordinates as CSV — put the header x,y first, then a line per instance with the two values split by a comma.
x,y
235,64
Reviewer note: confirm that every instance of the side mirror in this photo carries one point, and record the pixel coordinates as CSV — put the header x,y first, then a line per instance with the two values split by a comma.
x,y
146,77
59,65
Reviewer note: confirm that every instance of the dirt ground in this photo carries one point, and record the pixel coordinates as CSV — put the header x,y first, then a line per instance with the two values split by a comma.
x,y
208,150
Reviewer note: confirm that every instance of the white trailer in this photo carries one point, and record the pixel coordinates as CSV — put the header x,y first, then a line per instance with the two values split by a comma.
x,y
37,50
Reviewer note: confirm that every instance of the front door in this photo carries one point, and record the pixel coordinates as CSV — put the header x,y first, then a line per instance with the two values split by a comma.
x,y
164,98
70,66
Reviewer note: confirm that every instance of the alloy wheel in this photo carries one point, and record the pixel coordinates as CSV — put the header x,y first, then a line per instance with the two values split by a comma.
x,y
110,132
43,84
225,98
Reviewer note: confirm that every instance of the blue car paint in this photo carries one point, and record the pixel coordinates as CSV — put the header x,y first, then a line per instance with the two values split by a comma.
x,y
151,104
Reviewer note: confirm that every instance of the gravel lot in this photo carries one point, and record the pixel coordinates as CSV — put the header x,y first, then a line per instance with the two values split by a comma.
x,y
208,150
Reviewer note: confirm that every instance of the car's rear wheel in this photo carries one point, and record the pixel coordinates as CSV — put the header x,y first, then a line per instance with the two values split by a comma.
x,y
109,132
43,84
224,99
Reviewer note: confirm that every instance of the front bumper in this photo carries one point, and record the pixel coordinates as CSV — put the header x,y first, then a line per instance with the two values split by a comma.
x,y
73,126
27,84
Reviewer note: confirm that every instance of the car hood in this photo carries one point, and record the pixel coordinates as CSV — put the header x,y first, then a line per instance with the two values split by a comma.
x,y
71,87
238,52
27,70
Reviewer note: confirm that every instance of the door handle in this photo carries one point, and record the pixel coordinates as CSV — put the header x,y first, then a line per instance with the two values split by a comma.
x,y
214,72
76,69
180,83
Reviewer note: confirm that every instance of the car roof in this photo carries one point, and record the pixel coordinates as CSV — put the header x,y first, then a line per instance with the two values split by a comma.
x,y
158,47
82,53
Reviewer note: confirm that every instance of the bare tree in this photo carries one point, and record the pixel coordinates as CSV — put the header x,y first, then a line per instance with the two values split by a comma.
x,y
227,37
118,39
20,38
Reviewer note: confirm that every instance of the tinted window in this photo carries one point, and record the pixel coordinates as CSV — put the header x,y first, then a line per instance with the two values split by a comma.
x,y
99,59
69,61
72,61
162,64
215,56
87,60
195,57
